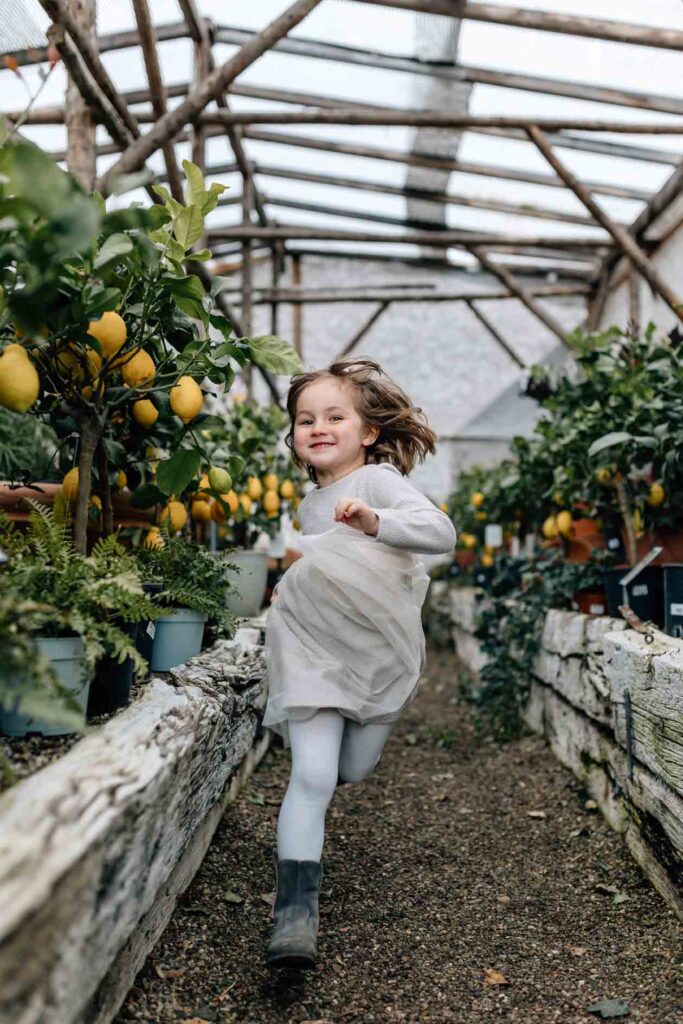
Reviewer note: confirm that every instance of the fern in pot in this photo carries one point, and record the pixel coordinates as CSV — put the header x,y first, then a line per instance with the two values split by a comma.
x,y
88,606
193,586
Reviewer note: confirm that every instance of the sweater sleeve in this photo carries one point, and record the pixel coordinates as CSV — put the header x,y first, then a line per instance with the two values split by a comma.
x,y
407,519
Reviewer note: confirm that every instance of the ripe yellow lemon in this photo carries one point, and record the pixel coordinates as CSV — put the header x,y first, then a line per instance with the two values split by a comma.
x,y
245,502
296,524
271,482
477,499
443,506
139,369
219,479
564,522
271,501
254,488
19,380
70,484
218,513
487,560
186,399
111,332
80,364
121,480
287,490
638,524
145,412
603,475
96,502
549,528
153,538
469,541
200,494
480,515
657,494
175,514
200,511
232,501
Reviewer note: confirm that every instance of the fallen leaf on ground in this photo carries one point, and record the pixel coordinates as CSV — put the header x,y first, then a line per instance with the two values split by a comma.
x,y
590,805
607,1008
494,977
268,897
232,897
535,814
619,898
576,950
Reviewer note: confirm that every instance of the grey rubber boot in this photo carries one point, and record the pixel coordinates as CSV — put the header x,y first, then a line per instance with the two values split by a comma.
x,y
294,942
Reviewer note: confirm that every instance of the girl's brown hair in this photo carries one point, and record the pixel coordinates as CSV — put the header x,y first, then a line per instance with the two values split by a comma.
x,y
404,437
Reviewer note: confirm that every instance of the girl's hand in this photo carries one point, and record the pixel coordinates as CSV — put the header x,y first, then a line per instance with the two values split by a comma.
x,y
355,513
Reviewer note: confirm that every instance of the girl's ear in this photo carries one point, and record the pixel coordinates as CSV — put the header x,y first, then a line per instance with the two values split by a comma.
x,y
371,435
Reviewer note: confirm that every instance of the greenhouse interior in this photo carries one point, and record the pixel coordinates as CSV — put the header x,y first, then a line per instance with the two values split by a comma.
x,y
405,750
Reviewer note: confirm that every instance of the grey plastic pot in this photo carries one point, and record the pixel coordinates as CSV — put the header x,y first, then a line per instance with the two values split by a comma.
x,y
177,638
250,582
67,657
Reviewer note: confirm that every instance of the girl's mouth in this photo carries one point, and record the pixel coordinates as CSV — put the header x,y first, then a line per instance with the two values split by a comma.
x,y
323,444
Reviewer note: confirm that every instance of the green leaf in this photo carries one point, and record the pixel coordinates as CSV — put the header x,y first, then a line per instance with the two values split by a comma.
x,y
115,246
272,353
34,176
236,466
211,197
200,255
195,183
608,441
189,226
174,474
146,496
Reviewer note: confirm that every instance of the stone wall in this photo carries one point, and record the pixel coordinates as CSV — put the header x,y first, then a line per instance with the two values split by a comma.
x,y
96,847
609,701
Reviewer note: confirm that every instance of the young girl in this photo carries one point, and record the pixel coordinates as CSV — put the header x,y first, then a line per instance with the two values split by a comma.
x,y
344,641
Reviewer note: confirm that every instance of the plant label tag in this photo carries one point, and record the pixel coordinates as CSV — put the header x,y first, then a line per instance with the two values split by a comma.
x,y
639,590
676,609
613,543
151,630
597,609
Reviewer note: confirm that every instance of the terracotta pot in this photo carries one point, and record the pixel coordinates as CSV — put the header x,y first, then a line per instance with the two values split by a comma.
x,y
591,602
12,500
585,536
464,558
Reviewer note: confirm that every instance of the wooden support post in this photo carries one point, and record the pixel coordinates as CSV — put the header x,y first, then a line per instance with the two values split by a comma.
x,y
621,236
247,273
597,303
212,87
80,123
297,312
148,42
372,319
275,267
495,334
525,297
634,297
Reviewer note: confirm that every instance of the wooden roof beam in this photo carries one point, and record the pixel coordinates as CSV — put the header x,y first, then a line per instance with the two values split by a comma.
x,y
545,21
302,296
621,236
156,90
526,297
434,119
439,239
319,50
213,86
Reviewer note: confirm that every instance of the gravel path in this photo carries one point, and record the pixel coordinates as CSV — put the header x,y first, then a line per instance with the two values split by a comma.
x,y
462,882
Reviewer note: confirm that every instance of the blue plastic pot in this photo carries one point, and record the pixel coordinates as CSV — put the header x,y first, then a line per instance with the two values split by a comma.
x,y
67,657
177,638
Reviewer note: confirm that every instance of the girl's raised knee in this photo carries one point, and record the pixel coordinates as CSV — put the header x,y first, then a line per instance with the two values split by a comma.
x,y
314,783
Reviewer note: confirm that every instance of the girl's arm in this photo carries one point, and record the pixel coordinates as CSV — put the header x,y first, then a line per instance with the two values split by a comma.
x,y
406,518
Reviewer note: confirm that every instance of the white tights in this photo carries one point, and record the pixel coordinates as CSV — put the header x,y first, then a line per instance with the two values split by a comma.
x,y
323,747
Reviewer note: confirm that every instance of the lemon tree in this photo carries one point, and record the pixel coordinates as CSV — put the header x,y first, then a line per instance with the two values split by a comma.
x,y
103,332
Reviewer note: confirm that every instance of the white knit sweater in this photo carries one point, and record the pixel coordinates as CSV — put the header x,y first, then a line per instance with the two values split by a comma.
x,y
407,519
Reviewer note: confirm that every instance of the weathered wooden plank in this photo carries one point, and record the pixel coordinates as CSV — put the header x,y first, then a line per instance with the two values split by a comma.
x,y
653,675
88,844
647,813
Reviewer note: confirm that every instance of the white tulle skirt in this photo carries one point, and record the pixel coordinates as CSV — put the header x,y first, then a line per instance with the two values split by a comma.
x,y
345,631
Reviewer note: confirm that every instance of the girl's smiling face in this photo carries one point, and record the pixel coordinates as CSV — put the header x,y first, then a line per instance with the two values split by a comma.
x,y
329,434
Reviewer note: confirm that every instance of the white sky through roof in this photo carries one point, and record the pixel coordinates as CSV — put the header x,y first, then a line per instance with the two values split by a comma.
x,y
589,61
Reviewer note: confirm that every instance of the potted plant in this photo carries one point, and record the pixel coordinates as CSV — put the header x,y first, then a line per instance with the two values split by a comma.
x,y
192,585
90,601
